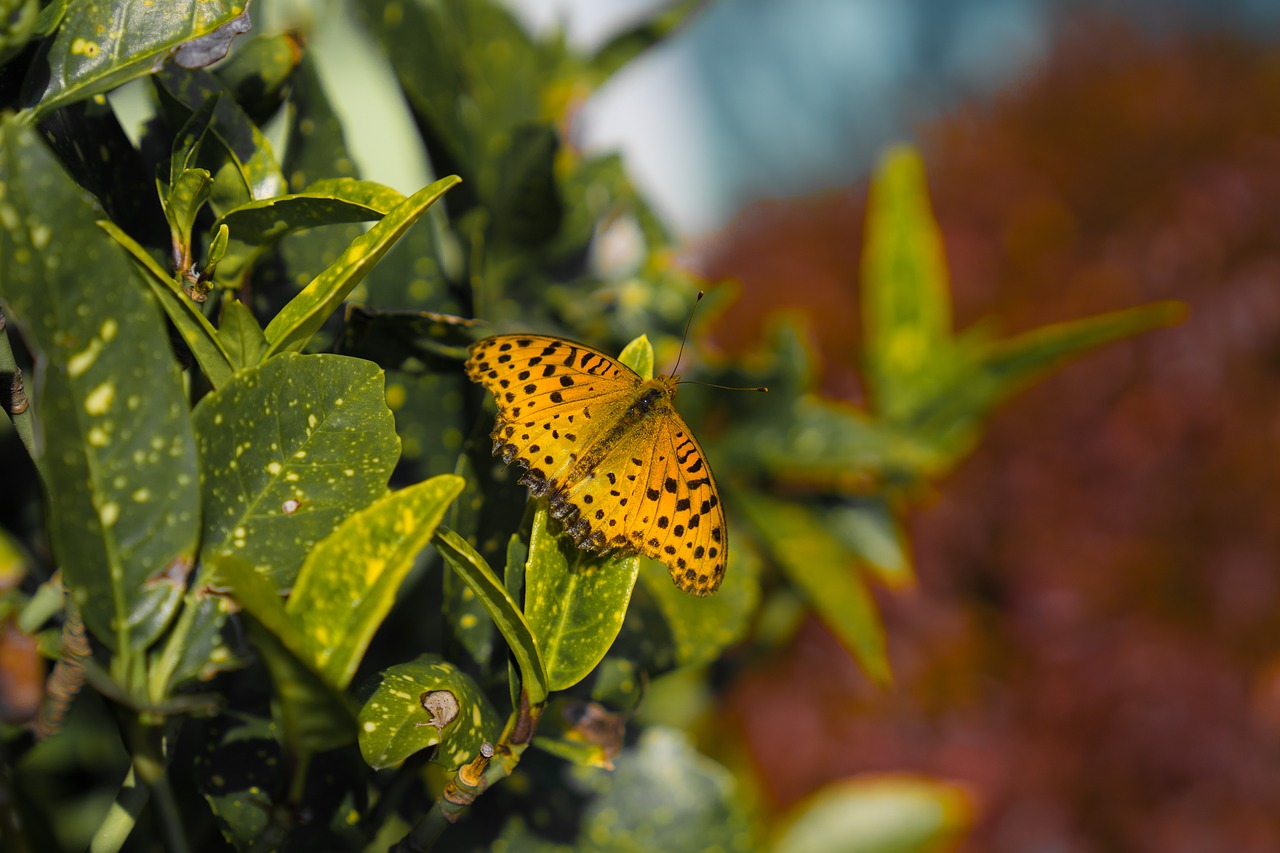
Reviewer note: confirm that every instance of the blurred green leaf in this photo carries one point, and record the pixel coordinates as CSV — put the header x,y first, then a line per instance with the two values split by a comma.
x,y
302,317
869,528
575,601
826,572
259,71
289,448
702,628
905,294
878,814
525,205
234,773
100,46
394,724
635,40
664,795
501,608
350,578
115,439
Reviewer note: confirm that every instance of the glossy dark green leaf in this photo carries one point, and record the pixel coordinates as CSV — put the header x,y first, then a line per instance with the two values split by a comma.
x,y
243,163
325,203
240,334
575,601
290,447
394,724
116,443
302,317
350,578
234,771
828,574
194,328
259,71
100,46
210,47
464,560
878,814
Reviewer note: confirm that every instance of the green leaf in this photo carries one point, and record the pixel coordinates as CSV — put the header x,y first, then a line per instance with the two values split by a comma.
x,y
702,628
879,814
869,528
238,765
638,355
525,206
828,575
182,205
243,163
303,316
665,795
289,448
635,40
905,295
394,724
100,46
194,328
575,601
325,203
313,715
114,436
241,335
472,568
350,578
984,373
258,73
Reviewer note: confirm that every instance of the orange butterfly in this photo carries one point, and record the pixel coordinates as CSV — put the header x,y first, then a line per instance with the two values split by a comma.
x,y
618,464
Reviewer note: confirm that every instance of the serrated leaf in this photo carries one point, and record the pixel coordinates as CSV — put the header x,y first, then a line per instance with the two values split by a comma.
x,y
194,328
575,601
100,46
822,568
115,440
350,578
878,814
394,724
302,317
472,568
325,203
289,448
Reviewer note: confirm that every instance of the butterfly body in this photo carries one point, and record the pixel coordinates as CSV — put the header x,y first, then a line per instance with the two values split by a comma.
x,y
608,450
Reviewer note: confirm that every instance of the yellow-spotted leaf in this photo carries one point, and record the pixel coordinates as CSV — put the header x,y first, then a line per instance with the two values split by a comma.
x,y
289,448
422,703
349,580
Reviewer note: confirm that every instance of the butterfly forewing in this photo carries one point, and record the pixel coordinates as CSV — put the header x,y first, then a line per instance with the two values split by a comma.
x,y
617,462
555,399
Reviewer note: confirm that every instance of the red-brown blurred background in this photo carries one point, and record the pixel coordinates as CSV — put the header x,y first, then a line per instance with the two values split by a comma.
x,y
1094,643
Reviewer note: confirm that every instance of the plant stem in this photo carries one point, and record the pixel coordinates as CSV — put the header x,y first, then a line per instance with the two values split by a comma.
x,y
122,817
23,421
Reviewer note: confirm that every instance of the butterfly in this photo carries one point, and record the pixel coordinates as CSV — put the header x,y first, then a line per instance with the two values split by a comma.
x,y
617,463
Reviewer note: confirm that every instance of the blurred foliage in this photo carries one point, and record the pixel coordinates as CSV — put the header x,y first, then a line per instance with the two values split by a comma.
x,y
1092,647
241,479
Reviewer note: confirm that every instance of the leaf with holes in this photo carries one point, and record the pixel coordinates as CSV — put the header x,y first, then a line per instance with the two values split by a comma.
x,y
394,723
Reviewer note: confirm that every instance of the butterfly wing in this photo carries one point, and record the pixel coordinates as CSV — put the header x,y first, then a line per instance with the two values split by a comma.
x,y
654,493
555,399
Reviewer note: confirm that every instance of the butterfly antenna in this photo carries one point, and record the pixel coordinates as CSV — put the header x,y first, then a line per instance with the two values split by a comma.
x,y
760,388
675,371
